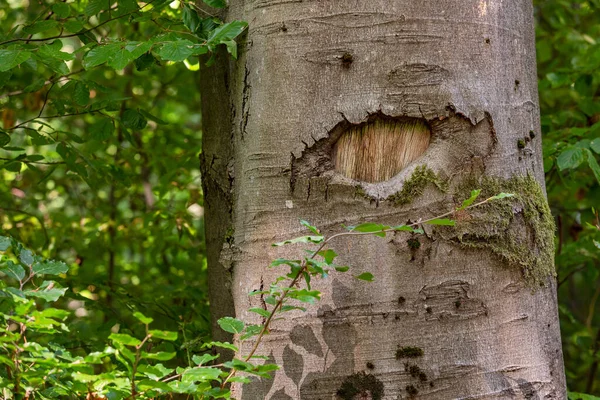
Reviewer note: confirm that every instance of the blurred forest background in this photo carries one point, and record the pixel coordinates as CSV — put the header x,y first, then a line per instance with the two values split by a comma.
x,y
112,186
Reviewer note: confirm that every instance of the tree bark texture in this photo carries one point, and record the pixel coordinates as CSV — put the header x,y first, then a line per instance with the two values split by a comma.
x,y
465,312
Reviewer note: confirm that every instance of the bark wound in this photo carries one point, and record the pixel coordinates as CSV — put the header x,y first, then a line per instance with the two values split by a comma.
x,y
377,150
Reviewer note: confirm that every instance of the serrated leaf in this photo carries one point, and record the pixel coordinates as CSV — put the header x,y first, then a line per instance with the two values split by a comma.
x,y
365,276
11,58
595,144
132,119
226,32
204,358
176,51
5,243
81,93
125,339
73,25
570,158
26,257
164,335
102,130
231,325
215,3
40,26
99,55
200,374
441,221
142,318
593,164
4,139
52,294
190,18
144,62
95,6
120,59
50,267
14,270
313,229
260,311
61,10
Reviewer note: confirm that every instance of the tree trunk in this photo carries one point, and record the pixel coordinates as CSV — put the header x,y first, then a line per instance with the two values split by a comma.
x,y
345,111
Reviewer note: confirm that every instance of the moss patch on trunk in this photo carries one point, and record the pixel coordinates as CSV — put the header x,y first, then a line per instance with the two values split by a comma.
x,y
415,185
518,229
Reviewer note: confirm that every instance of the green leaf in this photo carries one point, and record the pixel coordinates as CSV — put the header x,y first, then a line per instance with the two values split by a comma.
x,y
369,227
14,270
176,51
466,203
26,257
133,119
5,243
215,3
301,239
61,10
51,294
365,276
145,61
142,318
99,55
231,325
328,255
313,229
4,139
260,311
341,268
200,374
120,58
73,25
11,58
304,295
593,165
570,158
40,26
50,267
160,355
204,358
441,221
124,339
190,18
223,345
226,32
103,130
595,145
581,396
95,6
164,335
81,93
500,196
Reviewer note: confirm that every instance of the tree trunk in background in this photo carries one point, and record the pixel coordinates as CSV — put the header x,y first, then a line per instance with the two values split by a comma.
x,y
345,111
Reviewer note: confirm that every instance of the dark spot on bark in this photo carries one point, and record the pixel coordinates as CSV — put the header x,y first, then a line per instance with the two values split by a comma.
x,y
409,352
517,83
531,134
429,310
411,390
401,300
457,304
370,365
283,28
487,40
521,144
413,243
528,390
347,59
360,385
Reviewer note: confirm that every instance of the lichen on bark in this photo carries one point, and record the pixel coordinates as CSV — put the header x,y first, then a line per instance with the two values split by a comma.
x,y
415,185
519,229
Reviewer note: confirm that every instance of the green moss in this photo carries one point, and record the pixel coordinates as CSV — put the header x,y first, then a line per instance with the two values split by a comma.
x,y
413,243
229,235
415,185
409,352
518,229
521,143
362,385
360,192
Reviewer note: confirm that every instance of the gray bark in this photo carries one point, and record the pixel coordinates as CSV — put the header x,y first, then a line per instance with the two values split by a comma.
x,y
310,69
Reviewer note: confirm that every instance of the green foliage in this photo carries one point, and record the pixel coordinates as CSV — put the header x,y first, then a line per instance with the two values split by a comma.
x,y
568,52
